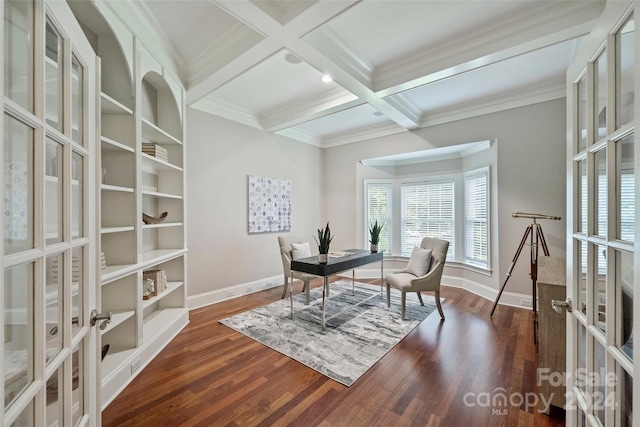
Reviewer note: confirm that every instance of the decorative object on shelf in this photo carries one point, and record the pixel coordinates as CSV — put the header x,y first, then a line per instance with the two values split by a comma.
x,y
75,269
105,350
269,204
148,289
374,234
103,172
323,241
158,278
103,262
155,150
147,219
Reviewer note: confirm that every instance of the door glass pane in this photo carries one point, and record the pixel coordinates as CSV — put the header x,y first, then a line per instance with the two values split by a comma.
x,y
54,400
625,397
53,192
582,355
53,304
18,53
53,74
582,114
77,276
18,330
18,192
77,85
600,96
77,385
26,417
624,291
599,386
600,287
625,60
600,188
626,188
77,195
582,276
581,203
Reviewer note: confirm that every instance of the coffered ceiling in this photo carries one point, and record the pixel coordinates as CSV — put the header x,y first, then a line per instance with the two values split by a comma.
x,y
395,65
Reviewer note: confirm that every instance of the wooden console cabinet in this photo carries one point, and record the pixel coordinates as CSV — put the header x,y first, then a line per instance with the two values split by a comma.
x,y
551,326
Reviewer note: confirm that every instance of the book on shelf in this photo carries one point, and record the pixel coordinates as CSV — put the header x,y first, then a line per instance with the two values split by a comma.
x,y
155,150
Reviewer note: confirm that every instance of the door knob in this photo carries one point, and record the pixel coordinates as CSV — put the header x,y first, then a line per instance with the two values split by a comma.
x,y
95,316
559,305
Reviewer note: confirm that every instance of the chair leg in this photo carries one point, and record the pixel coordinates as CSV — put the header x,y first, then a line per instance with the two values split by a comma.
x,y
285,287
438,304
404,301
420,298
306,288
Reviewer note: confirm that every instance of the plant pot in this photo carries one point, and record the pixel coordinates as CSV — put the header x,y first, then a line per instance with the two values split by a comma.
x,y
374,248
323,258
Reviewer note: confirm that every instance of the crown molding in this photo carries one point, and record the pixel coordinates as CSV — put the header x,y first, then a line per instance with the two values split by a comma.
x,y
362,134
301,136
328,102
494,104
227,111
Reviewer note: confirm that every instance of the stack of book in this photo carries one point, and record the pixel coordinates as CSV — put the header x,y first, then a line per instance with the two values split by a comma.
x,y
155,150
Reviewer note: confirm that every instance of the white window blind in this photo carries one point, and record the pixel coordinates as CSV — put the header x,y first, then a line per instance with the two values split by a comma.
x,y
427,211
476,219
379,209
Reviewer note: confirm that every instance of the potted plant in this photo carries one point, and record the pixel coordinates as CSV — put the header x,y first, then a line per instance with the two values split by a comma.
x,y
374,233
323,241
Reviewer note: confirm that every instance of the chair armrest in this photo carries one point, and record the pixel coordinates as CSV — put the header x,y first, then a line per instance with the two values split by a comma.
x,y
432,275
404,270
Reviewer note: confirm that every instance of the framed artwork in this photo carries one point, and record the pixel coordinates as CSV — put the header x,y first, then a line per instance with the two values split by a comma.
x,y
269,204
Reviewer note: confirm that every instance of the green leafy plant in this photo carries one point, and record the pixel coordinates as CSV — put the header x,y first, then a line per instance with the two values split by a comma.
x,y
374,232
324,239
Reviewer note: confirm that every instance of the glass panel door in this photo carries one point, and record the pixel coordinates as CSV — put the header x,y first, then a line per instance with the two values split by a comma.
x,y
49,256
602,199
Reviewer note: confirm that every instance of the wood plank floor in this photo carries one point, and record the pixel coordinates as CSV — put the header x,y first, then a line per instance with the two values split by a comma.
x,y
441,374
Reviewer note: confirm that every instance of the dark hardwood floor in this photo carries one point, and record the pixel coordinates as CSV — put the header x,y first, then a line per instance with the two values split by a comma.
x,y
442,374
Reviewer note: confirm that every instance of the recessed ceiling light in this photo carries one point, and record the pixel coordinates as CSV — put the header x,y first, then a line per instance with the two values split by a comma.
x,y
292,59
326,78
377,113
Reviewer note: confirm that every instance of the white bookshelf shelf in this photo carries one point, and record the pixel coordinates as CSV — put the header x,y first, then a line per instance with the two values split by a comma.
x,y
161,195
118,188
110,144
153,133
171,286
109,105
117,318
162,225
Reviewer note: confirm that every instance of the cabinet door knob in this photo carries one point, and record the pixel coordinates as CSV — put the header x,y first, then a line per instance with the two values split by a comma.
x,y
559,305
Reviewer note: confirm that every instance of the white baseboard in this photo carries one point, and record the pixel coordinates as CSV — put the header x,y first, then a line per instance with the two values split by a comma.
x,y
511,299
235,291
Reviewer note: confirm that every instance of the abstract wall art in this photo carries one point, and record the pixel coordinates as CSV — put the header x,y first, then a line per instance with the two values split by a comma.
x,y
269,204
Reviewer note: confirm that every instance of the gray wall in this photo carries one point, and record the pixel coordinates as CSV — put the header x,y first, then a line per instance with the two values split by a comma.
x,y
221,154
529,171
528,174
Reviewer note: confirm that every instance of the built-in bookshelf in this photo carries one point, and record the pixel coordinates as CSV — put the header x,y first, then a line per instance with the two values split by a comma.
x,y
138,106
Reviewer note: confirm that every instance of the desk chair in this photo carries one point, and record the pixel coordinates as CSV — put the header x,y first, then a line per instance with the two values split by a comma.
x,y
287,245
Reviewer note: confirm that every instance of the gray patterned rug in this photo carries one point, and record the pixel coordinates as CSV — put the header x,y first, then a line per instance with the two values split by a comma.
x,y
356,335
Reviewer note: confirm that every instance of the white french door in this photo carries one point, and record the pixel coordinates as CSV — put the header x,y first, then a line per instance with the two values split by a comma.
x,y
48,357
602,236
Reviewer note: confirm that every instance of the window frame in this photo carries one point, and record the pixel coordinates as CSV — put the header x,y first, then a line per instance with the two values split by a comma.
x,y
480,172
457,256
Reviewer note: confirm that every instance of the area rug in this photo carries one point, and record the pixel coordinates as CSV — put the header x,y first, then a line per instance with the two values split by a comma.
x,y
360,328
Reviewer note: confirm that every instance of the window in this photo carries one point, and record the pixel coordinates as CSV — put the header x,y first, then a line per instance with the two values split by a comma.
x,y
476,218
452,207
379,208
427,211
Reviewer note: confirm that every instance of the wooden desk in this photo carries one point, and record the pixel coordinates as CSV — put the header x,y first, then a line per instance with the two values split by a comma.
x,y
552,348
310,265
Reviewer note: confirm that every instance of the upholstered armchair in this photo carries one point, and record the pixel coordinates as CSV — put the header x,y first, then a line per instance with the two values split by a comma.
x,y
294,247
423,273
